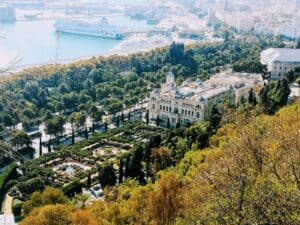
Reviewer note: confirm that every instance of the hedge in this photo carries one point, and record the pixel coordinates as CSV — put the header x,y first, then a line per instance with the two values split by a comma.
x,y
9,173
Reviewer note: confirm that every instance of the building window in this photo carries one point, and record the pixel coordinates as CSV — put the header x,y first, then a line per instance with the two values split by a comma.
x,y
189,112
192,113
279,74
198,115
164,108
153,106
160,107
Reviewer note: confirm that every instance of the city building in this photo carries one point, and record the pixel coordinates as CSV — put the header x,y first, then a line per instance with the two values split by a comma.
x,y
278,17
7,13
280,60
192,101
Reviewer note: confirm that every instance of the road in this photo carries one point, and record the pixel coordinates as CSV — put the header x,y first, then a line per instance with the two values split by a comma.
x,y
7,205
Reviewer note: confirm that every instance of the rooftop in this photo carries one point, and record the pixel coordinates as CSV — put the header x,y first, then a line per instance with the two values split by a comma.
x,y
282,54
217,84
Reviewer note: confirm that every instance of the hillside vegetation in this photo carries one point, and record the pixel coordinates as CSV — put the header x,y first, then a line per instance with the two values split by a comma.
x,y
249,175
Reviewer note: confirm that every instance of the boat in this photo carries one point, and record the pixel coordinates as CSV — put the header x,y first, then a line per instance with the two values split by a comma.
x,y
101,29
30,16
152,21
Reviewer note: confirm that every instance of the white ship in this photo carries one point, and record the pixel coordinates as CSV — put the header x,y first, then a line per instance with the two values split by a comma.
x,y
101,29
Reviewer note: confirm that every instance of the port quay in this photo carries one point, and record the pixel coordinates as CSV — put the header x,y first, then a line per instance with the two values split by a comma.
x,y
135,27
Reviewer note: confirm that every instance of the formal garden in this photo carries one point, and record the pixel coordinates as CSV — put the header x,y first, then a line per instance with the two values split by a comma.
x,y
78,166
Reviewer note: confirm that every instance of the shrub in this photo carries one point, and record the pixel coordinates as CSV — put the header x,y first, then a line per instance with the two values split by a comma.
x,y
17,209
72,188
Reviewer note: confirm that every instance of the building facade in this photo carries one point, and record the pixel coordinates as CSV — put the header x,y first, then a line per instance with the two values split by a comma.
x,y
280,60
7,13
192,101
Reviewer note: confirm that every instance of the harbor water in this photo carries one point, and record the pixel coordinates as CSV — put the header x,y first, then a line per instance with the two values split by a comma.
x,y
37,42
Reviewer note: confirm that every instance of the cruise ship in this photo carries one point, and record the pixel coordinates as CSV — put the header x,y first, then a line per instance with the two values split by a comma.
x,y
101,29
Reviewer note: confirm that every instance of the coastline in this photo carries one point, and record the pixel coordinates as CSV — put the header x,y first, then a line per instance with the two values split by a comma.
x,y
127,47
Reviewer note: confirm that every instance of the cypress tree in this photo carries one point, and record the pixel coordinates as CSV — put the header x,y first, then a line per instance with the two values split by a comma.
x,y
264,98
121,171
147,116
127,162
129,116
73,137
122,117
252,98
89,180
40,147
298,44
148,159
135,165
107,175
118,121
284,91
49,146
215,117
86,133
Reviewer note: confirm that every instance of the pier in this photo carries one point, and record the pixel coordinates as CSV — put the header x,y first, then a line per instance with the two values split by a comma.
x,y
40,16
